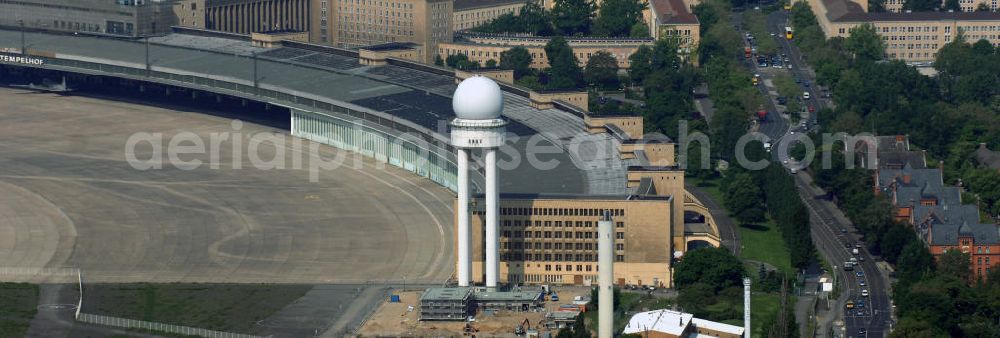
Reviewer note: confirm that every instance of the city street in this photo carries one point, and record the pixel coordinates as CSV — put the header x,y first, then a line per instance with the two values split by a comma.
x,y
833,234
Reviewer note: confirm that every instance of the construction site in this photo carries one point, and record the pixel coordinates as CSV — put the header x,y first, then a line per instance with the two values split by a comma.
x,y
402,318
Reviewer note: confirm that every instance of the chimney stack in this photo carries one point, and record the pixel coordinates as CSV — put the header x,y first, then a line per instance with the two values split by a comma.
x,y
746,308
605,271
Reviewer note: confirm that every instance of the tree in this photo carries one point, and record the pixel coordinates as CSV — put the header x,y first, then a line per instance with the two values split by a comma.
x,y
438,61
914,262
564,68
455,59
951,5
921,5
743,197
617,17
602,70
865,43
491,63
895,239
715,267
983,7
639,30
517,59
913,328
531,19
639,65
571,17
955,263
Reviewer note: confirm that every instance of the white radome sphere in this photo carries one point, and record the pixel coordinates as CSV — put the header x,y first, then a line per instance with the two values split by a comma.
x,y
477,98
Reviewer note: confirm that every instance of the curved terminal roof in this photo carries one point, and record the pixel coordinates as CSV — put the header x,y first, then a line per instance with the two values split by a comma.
x,y
422,97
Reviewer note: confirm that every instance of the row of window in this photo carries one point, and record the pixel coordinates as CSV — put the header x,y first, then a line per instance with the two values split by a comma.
x,y
559,212
911,55
558,224
912,46
556,234
517,256
554,246
386,4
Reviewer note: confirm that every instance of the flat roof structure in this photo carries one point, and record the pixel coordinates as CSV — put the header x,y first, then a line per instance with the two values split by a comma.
x,y
666,321
463,5
716,326
413,94
452,293
507,296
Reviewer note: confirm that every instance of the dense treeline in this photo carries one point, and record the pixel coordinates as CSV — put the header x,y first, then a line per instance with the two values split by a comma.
x,y
948,115
777,196
710,282
614,18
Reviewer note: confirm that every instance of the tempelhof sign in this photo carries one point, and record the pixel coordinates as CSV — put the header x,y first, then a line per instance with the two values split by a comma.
x,y
24,60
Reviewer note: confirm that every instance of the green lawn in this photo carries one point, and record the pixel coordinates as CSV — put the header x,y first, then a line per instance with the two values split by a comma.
x,y
222,307
762,242
18,305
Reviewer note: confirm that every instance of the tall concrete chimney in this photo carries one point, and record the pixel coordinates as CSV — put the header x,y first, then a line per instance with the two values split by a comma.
x,y
746,307
605,268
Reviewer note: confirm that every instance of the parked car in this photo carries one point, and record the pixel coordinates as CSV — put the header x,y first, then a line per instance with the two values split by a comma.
x,y
805,95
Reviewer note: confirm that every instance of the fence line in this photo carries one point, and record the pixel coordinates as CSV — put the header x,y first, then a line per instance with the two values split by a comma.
x,y
21,271
141,324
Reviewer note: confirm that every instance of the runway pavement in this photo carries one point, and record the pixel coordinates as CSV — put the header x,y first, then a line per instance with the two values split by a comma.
x,y
69,199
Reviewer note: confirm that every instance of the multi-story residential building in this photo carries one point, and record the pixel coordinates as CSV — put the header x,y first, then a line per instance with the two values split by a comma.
x,y
135,18
243,16
896,6
358,23
673,20
912,37
482,48
472,13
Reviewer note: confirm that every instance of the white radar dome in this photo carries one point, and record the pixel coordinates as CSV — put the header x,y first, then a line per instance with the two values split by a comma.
x,y
477,98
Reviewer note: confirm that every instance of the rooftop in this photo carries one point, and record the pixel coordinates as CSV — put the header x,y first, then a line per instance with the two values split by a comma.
x,y
418,95
508,295
716,326
987,158
670,12
453,293
849,11
943,224
391,46
461,5
594,197
666,321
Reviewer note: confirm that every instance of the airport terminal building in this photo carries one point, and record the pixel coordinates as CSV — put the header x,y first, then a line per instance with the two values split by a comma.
x,y
130,18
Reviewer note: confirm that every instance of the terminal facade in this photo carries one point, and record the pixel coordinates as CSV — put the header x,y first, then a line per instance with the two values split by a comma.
x,y
129,18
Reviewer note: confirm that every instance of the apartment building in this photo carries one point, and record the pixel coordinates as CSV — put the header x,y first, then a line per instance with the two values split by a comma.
x,y
896,6
912,37
243,16
672,20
